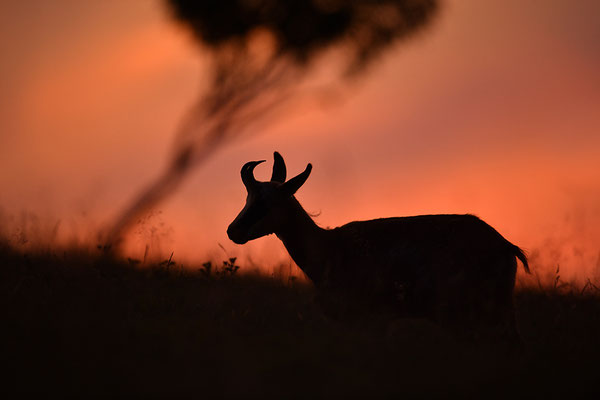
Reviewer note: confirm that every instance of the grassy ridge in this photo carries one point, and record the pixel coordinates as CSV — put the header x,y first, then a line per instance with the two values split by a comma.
x,y
78,324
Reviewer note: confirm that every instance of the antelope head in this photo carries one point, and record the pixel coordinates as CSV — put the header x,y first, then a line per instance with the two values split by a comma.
x,y
267,204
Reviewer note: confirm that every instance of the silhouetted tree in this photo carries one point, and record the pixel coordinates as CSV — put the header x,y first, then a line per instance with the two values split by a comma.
x,y
260,51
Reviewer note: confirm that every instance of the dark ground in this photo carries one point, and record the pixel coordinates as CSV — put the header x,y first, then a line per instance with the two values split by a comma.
x,y
76,324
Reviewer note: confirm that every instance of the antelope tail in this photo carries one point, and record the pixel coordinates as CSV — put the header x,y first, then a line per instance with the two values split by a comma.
x,y
520,254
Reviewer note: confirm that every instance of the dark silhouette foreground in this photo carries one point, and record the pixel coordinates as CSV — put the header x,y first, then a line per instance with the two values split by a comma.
x,y
455,269
76,324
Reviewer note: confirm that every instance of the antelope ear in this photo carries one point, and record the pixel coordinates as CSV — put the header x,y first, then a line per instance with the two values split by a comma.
x,y
291,186
279,171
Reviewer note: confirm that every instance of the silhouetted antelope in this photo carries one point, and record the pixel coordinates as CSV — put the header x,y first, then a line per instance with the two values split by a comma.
x,y
451,268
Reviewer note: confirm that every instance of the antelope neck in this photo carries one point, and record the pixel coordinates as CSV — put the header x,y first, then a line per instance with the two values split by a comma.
x,y
303,239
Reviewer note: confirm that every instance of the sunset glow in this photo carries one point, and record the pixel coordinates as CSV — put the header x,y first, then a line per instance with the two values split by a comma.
x,y
492,111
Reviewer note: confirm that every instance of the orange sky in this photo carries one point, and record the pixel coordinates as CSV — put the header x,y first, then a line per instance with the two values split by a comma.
x,y
494,111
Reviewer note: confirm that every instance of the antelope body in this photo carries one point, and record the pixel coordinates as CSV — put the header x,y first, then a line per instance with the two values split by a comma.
x,y
452,268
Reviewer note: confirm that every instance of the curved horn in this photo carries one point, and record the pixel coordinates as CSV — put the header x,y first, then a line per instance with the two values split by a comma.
x,y
279,170
291,186
247,173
